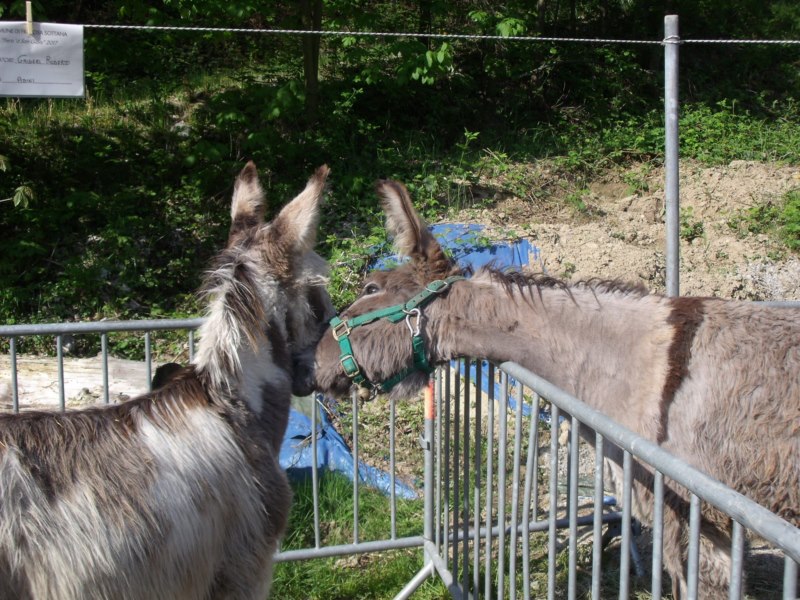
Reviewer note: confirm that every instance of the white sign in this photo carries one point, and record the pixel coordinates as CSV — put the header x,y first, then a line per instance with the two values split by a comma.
x,y
48,63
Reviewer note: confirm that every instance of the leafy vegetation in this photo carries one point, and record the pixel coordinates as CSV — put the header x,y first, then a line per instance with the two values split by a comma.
x,y
112,206
782,218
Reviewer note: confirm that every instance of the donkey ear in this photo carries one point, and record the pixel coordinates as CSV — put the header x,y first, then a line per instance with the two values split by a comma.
x,y
411,235
247,207
295,227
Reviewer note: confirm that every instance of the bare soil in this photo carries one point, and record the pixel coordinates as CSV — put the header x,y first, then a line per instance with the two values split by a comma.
x,y
613,227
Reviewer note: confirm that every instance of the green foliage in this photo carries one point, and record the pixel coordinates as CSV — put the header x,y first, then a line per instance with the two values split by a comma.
x,y
690,229
782,218
113,206
721,133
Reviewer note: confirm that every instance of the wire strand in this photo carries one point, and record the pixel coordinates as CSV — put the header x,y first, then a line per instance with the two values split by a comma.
x,y
438,36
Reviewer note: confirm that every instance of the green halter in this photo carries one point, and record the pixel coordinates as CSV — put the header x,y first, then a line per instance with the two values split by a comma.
x,y
394,314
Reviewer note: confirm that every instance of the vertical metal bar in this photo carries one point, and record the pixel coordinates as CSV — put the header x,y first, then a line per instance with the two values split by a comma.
x,y
104,353
530,479
456,465
502,465
789,579
191,345
693,561
597,531
60,355
317,400
466,521
625,546
658,533
12,348
487,566
671,189
447,467
535,422
430,414
551,530
737,561
147,358
439,444
574,454
512,546
392,468
476,487
501,484
356,474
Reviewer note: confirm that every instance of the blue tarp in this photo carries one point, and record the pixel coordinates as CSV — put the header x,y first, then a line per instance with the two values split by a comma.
x,y
333,454
468,245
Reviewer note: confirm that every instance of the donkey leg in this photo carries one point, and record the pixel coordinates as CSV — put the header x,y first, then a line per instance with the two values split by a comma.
x,y
714,564
674,552
714,560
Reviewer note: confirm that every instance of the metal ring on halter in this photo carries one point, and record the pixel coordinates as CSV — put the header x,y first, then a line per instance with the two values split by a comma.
x,y
414,311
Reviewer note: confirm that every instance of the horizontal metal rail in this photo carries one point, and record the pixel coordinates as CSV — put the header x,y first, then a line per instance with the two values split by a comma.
x,y
747,512
413,541
99,327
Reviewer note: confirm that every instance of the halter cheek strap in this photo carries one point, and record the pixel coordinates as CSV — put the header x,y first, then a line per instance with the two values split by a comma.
x,y
410,310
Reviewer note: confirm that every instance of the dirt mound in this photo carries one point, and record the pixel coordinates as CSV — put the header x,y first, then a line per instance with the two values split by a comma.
x,y
614,228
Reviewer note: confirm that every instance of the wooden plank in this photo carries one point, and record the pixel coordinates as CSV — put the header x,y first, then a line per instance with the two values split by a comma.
x,y
37,381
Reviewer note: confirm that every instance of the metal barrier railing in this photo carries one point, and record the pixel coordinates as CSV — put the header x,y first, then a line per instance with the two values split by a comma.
x,y
484,501
320,549
481,543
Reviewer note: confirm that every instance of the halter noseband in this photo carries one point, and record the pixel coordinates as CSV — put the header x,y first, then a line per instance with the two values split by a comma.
x,y
394,314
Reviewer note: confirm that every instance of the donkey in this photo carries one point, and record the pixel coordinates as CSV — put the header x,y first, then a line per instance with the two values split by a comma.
x,y
178,493
714,382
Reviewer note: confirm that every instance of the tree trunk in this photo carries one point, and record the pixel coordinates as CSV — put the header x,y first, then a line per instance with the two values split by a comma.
x,y
573,16
541,16
311,18
425,21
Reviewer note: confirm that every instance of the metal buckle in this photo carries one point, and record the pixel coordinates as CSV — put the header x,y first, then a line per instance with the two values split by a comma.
x,y
337,330
437,286
352,370
413,329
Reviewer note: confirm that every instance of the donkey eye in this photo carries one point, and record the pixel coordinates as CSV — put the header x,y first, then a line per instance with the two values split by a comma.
x,y
371,288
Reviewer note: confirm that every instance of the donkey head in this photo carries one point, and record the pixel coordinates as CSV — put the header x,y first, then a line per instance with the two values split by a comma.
x,y
382,349
267,304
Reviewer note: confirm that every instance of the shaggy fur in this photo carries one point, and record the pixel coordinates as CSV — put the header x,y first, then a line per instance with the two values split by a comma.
x,y
714,382
178,493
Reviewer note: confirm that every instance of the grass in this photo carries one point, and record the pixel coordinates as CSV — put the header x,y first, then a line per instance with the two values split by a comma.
x,y
368,576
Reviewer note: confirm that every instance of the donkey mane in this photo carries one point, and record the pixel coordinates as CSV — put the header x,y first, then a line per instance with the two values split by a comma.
x,y
234,309
527,281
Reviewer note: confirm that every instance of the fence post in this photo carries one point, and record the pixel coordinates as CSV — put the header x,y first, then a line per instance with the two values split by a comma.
x,y
672,196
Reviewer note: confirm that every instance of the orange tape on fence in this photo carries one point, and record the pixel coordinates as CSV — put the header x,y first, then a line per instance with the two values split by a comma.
x,y
430,409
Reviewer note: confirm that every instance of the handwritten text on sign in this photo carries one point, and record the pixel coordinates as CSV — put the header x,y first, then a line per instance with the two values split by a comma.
x,y
47,63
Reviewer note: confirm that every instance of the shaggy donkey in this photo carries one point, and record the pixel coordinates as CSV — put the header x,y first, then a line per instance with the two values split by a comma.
x,y
178,493
715,382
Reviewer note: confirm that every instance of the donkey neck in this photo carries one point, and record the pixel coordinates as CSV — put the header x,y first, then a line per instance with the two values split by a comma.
x,y
609,348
